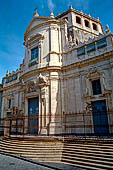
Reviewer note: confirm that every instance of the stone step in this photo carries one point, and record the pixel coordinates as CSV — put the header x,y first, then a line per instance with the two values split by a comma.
x,y
88,150
81,164
48,151
34,155
34,144
41,156
54,160
89,156
82,147
88,153
28,142
49,160
45,157
84,161
31,146
80,157
91,146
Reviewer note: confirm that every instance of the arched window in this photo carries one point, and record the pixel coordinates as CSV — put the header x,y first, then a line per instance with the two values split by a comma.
x,y
78,20
95,27
87,23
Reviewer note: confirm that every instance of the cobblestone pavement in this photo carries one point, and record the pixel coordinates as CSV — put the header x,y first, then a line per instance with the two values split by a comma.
x,y
8,162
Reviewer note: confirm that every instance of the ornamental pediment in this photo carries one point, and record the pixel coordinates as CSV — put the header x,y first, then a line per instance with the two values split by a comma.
x,y
32,39
35,23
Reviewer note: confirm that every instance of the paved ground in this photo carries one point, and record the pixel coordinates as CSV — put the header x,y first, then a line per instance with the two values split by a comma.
x,y
63,166
11,163
8,162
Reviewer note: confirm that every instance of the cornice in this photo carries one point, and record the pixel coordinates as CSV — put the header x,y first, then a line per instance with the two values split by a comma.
x,y
79,13
33,40
11,86
40,70
87,62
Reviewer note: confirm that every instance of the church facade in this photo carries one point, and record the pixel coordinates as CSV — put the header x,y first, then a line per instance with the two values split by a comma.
x,y
66,78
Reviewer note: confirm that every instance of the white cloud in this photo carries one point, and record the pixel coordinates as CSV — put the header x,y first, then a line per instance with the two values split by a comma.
x,y
51,5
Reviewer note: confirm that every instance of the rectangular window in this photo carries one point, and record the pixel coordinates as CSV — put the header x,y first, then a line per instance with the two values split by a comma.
x,y
34,53
9,103
101,43
8,114
80,51
90,48
96,86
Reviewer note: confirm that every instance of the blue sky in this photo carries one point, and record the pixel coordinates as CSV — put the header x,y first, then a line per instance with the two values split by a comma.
x,y
15,16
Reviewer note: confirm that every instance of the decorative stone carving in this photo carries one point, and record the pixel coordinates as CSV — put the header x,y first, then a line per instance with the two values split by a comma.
x,y
31,86
43,94
107,29
16,111
105,84
104,81
87,89
42,79
70,39
93,72
88,107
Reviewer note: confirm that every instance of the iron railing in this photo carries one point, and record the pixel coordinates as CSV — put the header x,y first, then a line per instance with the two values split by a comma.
x,y
68,123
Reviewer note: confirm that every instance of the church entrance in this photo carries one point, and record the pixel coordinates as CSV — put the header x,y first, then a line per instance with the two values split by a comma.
x,y
33,112
100,118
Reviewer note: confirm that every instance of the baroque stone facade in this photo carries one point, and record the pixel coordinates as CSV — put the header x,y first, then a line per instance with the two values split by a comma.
x,y
68,69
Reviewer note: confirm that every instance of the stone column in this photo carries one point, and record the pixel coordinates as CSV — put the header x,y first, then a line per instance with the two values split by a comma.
x,y
43,111
55,125
26,115
82,22
40,113
91,26
54,45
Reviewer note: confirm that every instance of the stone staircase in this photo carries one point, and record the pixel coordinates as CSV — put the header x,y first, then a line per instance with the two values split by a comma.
x,y
86,155
89,156
44,151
